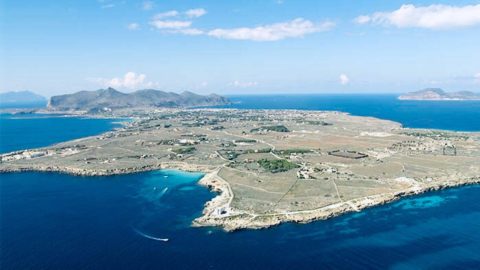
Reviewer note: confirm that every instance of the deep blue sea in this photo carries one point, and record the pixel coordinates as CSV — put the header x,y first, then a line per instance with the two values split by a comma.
x,y
25,131
58,221
451,115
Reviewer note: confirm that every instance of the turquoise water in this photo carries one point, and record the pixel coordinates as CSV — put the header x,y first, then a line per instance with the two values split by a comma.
x,y
58,221
26,131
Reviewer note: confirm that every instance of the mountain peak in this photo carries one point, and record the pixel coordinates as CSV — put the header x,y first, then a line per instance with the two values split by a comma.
x,y
23,98
187,93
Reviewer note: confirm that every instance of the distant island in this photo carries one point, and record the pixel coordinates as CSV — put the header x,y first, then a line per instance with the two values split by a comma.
x,y
439,94
111,99
21,99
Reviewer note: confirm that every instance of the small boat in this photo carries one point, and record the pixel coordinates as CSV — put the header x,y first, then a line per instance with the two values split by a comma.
x,y
150,237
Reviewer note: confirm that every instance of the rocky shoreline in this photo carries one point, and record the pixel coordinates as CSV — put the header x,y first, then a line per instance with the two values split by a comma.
x,y
238,220
86,172
218,212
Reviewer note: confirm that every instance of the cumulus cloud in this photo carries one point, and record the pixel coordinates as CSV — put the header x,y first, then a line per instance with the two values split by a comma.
x,y
295,28
428,17
195,13
344,80
241,84
187,31
166,14
178,22
191,13
175,22
477,77
160,24
133,26
147,5
363,19
130,80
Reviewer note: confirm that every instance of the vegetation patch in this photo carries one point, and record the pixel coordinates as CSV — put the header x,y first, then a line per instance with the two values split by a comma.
x,y
185,150
245,141
229,154
278,128
277,165
314,123
288,152
436,135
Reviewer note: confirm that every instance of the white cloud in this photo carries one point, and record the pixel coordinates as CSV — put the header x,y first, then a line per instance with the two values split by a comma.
x,y
177,25
477,77
148,5
195,13
344,80
133,26
130,80
175,22
160,24
105,4
188,31
362,19
240,84
166,14
272,32
429,17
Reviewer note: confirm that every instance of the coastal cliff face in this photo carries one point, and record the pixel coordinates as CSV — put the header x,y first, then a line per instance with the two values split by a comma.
x,y
439,94
110,99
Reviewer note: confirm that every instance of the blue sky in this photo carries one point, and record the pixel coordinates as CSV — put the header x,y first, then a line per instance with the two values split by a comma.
x,y
239,47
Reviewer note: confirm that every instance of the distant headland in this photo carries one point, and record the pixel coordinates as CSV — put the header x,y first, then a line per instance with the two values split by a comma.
x,y
24,99
111,99
439,94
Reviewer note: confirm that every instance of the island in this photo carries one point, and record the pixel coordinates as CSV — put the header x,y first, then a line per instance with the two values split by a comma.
x,y
110,99
439,94
270,166
21,99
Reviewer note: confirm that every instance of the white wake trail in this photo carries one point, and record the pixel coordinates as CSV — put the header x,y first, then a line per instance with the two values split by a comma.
x,y
149,236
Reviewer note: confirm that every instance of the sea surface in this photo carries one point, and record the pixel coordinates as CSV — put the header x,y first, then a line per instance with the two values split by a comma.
x,y
24,131
450,115
58,221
